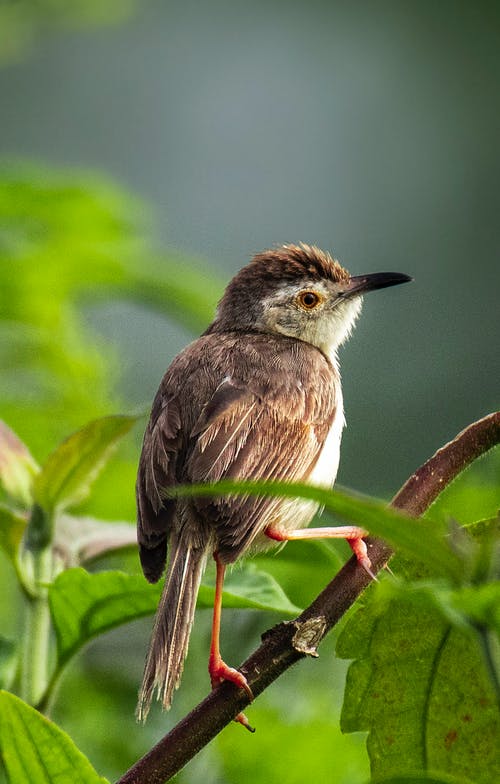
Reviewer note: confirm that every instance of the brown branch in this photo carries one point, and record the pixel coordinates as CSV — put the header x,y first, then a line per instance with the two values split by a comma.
x,y
288,642
424,486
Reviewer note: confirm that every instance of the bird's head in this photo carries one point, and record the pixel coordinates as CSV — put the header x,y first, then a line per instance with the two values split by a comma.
x,y
301,292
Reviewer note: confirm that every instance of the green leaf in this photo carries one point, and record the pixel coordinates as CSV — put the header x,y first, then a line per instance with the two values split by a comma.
x,y
8,662
421,538
36,750
480,604
84,605
303,568
422,689
12,525
484,528
66,477
249,587
17,467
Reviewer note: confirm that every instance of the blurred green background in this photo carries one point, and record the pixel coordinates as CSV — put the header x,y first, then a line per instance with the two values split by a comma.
x,y
149,149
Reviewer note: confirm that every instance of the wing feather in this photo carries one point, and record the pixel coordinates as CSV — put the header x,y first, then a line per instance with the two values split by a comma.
x,y
253,436
157,472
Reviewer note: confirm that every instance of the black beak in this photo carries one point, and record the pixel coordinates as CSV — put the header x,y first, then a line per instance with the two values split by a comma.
x,y
359,284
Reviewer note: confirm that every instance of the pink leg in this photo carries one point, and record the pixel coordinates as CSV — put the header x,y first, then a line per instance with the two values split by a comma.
x,y
352,533
218,669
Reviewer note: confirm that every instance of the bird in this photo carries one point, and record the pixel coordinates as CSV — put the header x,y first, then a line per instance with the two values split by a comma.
x,y
257,396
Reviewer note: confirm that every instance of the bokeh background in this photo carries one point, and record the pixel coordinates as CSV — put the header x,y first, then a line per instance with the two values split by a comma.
x,y
180,138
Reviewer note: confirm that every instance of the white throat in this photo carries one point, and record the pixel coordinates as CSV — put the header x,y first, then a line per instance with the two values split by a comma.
x,y
334,327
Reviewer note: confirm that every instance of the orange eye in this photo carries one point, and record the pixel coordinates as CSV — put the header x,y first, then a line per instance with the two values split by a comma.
x,y
308,299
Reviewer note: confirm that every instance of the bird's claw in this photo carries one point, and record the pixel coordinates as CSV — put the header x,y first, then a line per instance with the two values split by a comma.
x,y
242,719
220,671
360,550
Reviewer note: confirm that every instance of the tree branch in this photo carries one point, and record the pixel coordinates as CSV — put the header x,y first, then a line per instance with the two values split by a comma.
x,y
288,642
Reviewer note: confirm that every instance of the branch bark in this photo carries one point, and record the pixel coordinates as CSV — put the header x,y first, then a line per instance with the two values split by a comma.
x,y
288,642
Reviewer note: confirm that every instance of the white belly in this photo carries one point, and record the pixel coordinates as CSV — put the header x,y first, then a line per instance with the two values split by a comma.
x,y
325,471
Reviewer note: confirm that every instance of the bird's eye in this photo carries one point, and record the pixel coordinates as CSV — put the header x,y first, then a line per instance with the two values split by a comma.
x,y
308,299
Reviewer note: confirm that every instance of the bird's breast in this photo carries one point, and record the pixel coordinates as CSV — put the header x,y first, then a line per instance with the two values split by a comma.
x,y
325,470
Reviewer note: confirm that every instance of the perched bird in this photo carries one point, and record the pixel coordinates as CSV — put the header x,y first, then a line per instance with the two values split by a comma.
x,y
257,396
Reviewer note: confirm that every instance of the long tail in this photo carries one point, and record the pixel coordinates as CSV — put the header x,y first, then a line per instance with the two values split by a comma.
x,y
172,627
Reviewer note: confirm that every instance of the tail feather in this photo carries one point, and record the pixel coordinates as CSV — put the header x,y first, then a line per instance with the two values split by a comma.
x,y
172,627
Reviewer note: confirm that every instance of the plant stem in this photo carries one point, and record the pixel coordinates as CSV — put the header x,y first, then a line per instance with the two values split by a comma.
x,y
36,642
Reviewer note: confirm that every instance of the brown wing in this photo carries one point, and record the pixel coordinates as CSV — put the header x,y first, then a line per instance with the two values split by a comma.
x,y
236,408
157,471
254,434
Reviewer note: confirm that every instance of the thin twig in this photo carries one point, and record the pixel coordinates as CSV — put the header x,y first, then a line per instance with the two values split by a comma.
x,y
288,642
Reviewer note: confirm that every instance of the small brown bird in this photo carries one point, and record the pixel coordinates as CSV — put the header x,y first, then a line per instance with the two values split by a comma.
x,y
257,396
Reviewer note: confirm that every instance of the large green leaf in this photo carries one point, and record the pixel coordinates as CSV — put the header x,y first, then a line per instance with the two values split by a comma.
x,y
36,751
421,689
84,605
425,678
65,478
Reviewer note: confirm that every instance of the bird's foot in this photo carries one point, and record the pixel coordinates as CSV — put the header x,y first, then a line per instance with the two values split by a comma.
x,y
219,672
360,550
